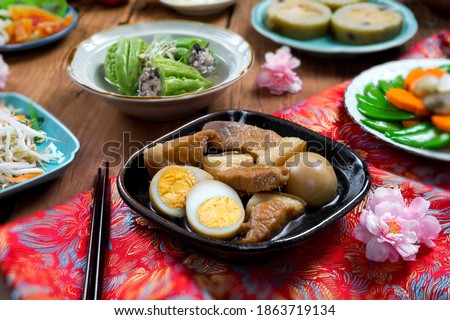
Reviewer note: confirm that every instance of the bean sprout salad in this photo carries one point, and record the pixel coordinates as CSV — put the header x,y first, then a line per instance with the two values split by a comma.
x,y
20,159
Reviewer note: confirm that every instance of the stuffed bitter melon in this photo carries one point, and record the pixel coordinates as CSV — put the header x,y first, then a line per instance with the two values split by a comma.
x,y
298,19
365,23
336,4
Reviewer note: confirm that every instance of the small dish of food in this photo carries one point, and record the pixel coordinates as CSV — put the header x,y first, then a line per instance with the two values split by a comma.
x,y
406,104
241,184
36,147
161,70
198,7
330,27
28,26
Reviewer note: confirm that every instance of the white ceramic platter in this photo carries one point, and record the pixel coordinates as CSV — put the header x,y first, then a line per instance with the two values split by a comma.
x,y
389,71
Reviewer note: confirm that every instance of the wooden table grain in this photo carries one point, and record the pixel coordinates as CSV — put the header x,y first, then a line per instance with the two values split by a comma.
x,y
41,75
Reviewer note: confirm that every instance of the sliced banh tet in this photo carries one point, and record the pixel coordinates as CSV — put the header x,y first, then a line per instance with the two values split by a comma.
x,y
298,19
365,23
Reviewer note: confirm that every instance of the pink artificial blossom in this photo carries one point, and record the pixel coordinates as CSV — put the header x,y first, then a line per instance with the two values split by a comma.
x,y
4,72
278,74
392,229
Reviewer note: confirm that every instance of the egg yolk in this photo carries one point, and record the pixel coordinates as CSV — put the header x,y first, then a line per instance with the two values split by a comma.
x,y
174,185
219,212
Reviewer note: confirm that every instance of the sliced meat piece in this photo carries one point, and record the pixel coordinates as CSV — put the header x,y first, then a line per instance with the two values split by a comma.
x,y
278,155
186,150
214,163
243,137
251,180
267,214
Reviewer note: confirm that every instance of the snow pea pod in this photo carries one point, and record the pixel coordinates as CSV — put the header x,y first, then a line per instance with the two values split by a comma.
x,y
379,104
381,126
373,91
384,86
441,141
423,126
383,114
418,140
398,82
446,68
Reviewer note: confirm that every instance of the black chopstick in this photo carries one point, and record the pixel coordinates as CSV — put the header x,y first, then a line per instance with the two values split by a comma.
x,y
98,239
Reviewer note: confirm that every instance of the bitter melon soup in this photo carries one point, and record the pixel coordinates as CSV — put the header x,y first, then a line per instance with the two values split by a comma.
x,y
168,66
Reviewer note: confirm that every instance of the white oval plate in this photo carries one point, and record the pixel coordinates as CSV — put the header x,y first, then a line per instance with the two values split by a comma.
x,y
327,45
389,71
234,58
198,7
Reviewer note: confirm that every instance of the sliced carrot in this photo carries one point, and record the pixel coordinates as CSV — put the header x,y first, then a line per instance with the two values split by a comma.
x,y
405,100
23,178
416,74
442,122
410,123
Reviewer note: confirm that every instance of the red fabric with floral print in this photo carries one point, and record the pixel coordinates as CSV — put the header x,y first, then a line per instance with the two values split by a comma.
x,y
44,255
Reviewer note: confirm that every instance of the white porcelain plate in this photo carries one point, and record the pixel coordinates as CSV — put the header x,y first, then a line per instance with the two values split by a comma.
x,y
389,71
327,45
232,53
198,7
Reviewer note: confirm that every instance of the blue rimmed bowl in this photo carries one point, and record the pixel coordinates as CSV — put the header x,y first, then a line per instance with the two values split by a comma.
x,y
46,40
327,45
65,143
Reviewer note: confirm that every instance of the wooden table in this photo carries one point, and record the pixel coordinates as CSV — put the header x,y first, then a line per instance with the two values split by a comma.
x,y
41,75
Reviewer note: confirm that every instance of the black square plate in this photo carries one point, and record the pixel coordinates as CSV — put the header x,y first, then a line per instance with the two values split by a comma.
x,y
353,184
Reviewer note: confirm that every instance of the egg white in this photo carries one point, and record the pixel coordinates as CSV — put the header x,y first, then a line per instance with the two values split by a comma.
x,y
155,198
203,191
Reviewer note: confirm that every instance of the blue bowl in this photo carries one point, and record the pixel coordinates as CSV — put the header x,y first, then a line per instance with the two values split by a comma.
x,y
327,45
66,143
43,41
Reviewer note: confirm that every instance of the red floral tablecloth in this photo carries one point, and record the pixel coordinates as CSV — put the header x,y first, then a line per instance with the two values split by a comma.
x,y
44,255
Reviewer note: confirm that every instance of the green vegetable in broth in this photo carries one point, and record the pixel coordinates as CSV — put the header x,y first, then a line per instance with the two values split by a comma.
x,y
166,67
123,64
178,78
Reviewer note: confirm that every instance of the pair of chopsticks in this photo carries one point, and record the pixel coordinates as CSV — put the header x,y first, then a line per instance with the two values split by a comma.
x,y
98,240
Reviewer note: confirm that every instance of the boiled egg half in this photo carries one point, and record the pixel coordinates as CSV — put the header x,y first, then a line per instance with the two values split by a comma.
x,y
215,210
170,186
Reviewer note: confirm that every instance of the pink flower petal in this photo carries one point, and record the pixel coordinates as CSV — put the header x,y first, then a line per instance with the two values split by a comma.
x,y
377,251
394,208
362,234
372,225
430,229
4,72
392,229
277,74
418,208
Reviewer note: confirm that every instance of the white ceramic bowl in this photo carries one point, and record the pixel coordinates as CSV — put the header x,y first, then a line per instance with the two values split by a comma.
x,y
198,7
233,54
